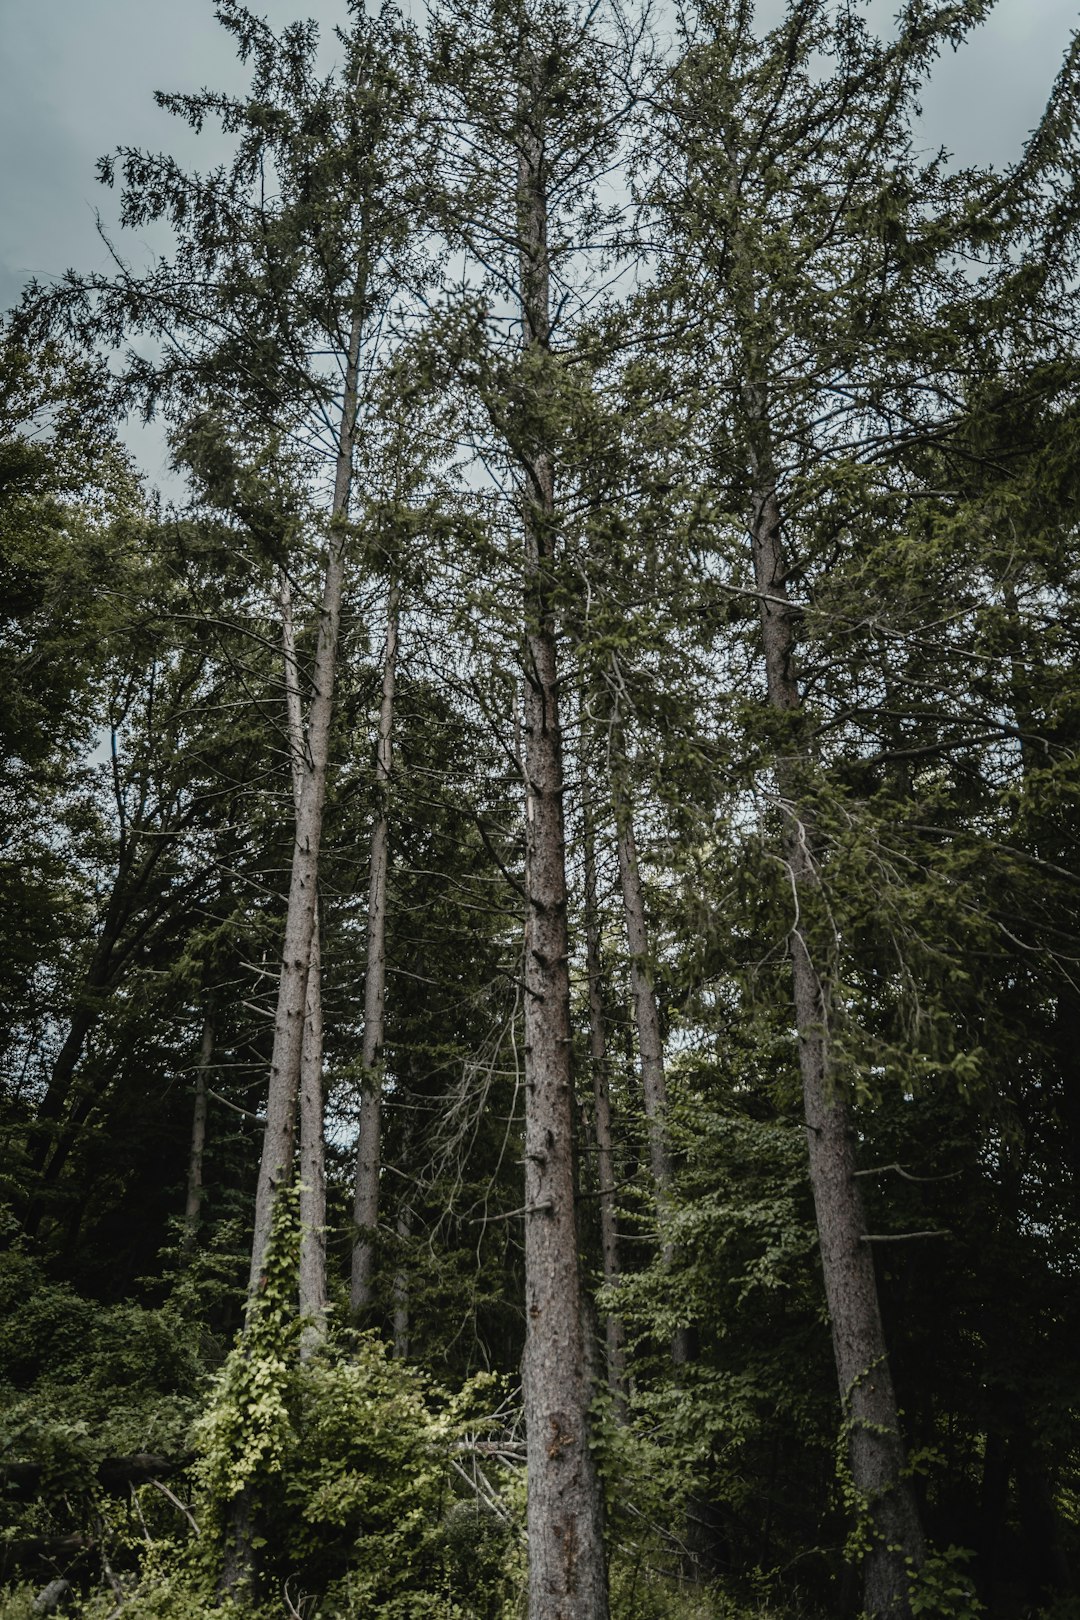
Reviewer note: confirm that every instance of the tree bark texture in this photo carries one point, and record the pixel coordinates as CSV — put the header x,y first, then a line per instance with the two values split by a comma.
x,y
401,1287
312,1207
369,1145
614,1337
193,1202
643,994
647,1024
567,1573
874,1442
290,1021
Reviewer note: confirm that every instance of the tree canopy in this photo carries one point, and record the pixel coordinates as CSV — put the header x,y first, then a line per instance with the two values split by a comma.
x,y
539,1072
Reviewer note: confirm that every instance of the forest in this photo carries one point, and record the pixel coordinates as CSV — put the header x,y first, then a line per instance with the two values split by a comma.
x,y
540,1057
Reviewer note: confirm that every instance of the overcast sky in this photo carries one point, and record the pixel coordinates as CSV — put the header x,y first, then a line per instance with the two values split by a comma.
x,y
77,79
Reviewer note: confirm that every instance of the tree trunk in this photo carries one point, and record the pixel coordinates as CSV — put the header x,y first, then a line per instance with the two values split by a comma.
x,y
643,994
313,1157
567,1573
238,1576
312,1289
309,760
614,1337
993,1511
63,1071
290,1020
875,1446
193,1203
401,1288
51,1134
369,1145
1048,1574
647,1023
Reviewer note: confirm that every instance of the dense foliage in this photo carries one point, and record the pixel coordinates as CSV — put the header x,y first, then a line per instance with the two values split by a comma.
x,y
587,333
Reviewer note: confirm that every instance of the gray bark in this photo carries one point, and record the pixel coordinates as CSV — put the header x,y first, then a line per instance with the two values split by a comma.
x,y
50,1597
401,1289
647,1024
567,1571
290,1022
313,1297
875,1445
369,1145
312,1289
193,1202
614,1336
643,994
238,1575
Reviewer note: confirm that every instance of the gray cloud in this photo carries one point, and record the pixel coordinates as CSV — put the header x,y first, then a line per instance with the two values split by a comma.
x,y
983,99
77,79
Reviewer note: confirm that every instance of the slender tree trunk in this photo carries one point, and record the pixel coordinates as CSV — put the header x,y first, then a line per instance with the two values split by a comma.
x,y
193,1203
993,1512
567,1572
130,916
647,1024
643,995
47,1147
875,1445
1048,1571
312,1209
63,1072
401,1288
614,1337
369,1145
290,1021
53,1134
312,1280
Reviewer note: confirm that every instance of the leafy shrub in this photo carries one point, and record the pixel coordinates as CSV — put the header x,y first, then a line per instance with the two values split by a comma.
x,y
333,1473
333,1476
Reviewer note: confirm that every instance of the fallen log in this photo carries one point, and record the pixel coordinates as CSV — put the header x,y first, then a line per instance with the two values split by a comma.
x,y
50,1597
115,1474
52,1552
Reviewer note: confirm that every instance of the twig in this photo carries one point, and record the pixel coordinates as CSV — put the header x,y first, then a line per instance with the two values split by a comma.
x,y
900,1237
259,1119
138,1508
176,1502
898,1169
511,1449
526,1209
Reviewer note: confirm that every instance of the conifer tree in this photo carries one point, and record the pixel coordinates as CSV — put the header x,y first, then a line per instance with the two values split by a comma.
x,y
531,99
282,336
369,1141
818,269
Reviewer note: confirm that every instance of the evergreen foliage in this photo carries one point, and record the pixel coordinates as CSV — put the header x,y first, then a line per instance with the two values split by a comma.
x,y
715,449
